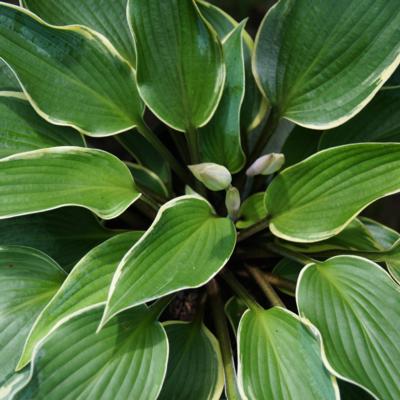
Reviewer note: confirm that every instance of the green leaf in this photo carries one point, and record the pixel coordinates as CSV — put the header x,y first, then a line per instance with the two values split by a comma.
x,y
378,122
147,180
337,183
355,306
66,234
14,384
186,245
355,236
289,270
220,138
28,280
77,64
8,81
86,287
145,154
45,179
23,130
280,359
180,72
382,234
320,62
195,369
254,107
107,17
252,211
300,144
234,309
125,360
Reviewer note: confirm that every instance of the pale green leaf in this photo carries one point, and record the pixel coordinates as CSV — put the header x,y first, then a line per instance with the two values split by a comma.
x,y
180,68
107,17
319,62
254,107
12,385
252,211
85,287
186,245
28,280
355,306
66,234
126,360
279,359
378,122
45,179
220,138
337,183
195,369
23,130
74,77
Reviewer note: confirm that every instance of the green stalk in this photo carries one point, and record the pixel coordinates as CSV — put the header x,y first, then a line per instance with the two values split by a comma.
x,y
192,137
181,171
265,286
254,229
283,251
221,327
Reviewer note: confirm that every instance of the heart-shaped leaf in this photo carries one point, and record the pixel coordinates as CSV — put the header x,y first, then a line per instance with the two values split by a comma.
x,y
355,306
180,67
107,17
280,359
186,245
337,183
252,211
320,62
220,138
45,179
85,288
378,122
77,65
23,130
66,234
254,106
126,359
28,280
195,366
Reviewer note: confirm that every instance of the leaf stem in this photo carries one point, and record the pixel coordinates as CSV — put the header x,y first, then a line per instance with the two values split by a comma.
x,y
265,286
240,290
181,171
192,137
279,281
254,229
283,251
221,327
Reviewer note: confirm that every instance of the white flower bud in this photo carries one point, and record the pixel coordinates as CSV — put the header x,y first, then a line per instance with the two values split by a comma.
x,y
266,165
214,176
232,202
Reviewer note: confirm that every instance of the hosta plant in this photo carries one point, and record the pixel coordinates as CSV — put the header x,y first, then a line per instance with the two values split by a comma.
x,y
181,205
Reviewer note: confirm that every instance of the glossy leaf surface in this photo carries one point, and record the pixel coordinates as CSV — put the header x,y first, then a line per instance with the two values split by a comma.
x,y
320,62
180,68
107,17
195,368
85,287
23,130
220,138
77,64
123,361
28,280
186,245
337,183
273,342
66,234
355,306
41,180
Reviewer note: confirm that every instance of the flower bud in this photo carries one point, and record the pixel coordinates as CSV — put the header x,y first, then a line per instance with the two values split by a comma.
x,y
266,165
214,176
232,202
